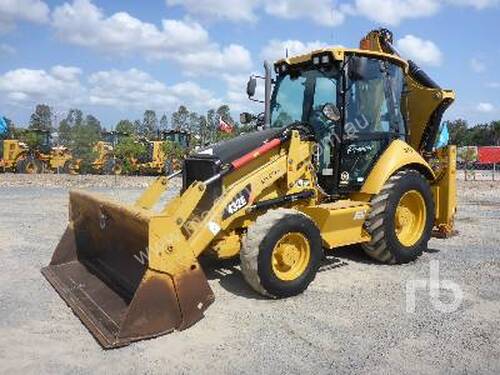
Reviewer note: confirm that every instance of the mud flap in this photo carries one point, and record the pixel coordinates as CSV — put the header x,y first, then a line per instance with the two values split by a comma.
x,y
100,269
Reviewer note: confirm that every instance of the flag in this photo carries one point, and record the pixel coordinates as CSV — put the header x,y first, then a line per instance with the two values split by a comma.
x,y
3,126
225,127
443,136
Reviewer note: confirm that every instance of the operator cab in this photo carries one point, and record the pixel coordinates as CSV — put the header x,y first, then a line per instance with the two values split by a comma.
x,y
353,107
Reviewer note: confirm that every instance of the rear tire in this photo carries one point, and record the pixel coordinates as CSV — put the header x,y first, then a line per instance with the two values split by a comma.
x,y
401,219
29,165
281,253
113,167
69,167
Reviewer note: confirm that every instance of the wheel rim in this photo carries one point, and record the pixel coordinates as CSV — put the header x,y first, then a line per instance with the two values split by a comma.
x,y
30,168
291,256
410,218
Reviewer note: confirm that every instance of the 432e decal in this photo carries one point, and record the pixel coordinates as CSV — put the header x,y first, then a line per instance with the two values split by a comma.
x,y
241,200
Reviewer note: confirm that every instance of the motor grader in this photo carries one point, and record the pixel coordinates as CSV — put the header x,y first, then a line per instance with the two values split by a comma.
x,y
346,156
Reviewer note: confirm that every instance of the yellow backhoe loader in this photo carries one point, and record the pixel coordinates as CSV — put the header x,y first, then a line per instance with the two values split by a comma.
x,y
346,157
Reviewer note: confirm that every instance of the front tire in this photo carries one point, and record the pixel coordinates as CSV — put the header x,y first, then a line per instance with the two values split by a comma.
x,y
401,219
281,253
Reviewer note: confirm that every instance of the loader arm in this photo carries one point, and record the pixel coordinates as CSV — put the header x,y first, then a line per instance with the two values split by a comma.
x,y
130,273
194,233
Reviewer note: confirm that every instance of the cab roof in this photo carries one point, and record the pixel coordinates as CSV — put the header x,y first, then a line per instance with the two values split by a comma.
x,y
339,54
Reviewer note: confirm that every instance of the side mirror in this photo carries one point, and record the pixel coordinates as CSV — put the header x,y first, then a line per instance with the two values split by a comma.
x,y
246,118
251,86
331,112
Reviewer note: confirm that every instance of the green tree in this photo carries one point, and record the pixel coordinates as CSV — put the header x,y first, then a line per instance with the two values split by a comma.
x,y
93,124
495,132
137,127
149,126
212,125
125,126
193,122
64,132
164,122
458,132
84,133
41,119
224,112
480,135
203,131
180,119
73,119
129,149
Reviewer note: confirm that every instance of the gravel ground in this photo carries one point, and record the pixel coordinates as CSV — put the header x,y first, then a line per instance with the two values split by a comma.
x,y
353,318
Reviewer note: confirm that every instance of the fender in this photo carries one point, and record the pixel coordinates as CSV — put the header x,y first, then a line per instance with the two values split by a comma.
x,y
398,155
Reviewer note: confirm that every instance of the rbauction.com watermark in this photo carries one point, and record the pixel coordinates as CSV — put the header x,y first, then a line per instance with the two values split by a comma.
x,y
435,286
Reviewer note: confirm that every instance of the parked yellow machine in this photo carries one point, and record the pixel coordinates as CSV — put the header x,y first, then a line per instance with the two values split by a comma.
x,y
12,151
346,156
104,149
153,161
159,158
21,157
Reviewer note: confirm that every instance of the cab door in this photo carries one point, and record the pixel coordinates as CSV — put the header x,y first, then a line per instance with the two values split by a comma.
x,y
373,118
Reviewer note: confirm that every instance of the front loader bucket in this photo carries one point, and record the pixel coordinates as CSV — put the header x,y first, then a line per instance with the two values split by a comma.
x,y
100,269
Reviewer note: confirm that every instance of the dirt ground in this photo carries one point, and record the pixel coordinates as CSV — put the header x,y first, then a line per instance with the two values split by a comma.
x,y
353,318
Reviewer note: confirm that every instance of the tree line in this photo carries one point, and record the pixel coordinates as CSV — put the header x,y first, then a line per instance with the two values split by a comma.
x,y
80,131
462,134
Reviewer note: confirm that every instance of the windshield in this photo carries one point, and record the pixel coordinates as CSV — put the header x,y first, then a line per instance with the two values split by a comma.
x,y
300,96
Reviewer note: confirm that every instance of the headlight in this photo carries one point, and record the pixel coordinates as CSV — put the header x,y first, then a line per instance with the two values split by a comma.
x,y
322,59
281,68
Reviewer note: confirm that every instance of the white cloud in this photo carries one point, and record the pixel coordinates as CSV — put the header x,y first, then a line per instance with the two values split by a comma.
x,y
233,58
478,4
229,10
421,51
236,95
276,49
322,12
64,86
135,88
392,12
183,41
493,85
60,85
22,10
477,65
7,49
485,107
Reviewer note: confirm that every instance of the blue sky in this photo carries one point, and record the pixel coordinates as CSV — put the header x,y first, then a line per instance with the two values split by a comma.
x,y
115,59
